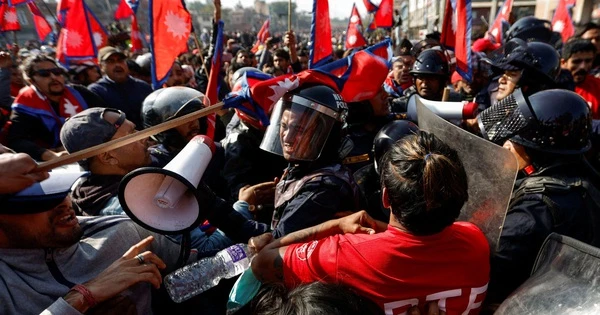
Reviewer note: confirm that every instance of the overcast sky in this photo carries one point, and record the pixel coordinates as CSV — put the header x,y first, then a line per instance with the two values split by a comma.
x,y
337,8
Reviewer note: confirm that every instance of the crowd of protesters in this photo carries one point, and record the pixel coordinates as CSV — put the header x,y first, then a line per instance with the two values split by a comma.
x,y
294,190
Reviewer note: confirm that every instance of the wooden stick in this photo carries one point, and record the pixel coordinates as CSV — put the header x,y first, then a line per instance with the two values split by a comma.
x,y
117,143
289,15
446,94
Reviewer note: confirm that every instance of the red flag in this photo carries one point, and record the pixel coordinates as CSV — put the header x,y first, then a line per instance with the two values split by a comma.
x,y
75,40
8,18
12,3
384,17
42,26
262,35
170,28
99,34
212,90
503,15
123,10
456,34
369,6
61,9
354,36
562,22
321,49
136,36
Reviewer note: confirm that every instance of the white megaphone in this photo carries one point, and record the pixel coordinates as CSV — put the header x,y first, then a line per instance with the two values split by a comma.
x,y
451,111
165,200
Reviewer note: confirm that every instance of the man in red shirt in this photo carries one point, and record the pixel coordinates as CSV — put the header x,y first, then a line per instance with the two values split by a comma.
x,y
578,57
421,256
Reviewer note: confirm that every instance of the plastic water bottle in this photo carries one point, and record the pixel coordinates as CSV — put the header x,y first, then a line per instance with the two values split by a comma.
x,y
195,278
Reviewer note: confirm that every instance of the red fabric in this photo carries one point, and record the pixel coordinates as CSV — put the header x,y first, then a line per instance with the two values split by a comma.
x,y
503,15
369,6
384,17
212,90
61,9
8,18
171,28
397,270
42,26
354,36
456,30
13,3
589,89
562,22
14,89
75,40
136,36
262,35
321,50
123,10
69,104
98,32
484,45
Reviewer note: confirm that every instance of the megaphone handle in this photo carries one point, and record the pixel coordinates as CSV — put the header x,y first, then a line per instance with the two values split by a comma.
x,y
446,94
137,136
186,248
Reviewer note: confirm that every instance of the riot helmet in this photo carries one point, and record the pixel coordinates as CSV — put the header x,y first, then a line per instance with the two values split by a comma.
x,y
530,29
388,135
306,124
552,121
431,62
169,103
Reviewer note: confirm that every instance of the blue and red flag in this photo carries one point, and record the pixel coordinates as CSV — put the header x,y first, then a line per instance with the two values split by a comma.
x,y
42,27
137,39
76,41
13,3
212,90
321,49
369,6
170,27
502,17
99,33
262,35
562,22
456,34
126,9
9,20
357,77
384,16
354,36
61,11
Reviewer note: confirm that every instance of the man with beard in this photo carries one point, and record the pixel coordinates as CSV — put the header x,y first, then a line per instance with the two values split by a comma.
x,y
54,262
41,108
578,57
117,87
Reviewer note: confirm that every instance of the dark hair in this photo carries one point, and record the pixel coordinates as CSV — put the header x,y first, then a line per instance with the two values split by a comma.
x,y
577,45
426,183
312,299
29,63
586,27
282,54
241,50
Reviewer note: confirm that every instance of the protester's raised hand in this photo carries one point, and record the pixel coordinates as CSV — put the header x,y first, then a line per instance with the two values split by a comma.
x,y
17,172
5,60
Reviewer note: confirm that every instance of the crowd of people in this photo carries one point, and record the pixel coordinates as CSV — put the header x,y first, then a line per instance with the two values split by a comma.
x,y
349,206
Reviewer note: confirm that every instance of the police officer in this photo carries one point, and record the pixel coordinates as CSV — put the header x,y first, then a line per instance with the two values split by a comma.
x,y
306,129
553,192
530,29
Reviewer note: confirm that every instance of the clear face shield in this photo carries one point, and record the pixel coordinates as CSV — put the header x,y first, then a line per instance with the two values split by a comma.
x,y
299,128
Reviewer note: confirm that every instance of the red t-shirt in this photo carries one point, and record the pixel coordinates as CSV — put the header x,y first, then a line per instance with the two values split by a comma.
x,y
589,89
398,270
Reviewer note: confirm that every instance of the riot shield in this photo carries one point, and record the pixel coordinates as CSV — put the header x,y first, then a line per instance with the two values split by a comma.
x,y
564,280
491,172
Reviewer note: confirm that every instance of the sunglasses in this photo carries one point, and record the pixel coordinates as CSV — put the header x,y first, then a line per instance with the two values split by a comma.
x,y
45,73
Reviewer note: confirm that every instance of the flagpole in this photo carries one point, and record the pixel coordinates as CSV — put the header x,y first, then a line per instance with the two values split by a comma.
x,y
289,15
15,37
123,141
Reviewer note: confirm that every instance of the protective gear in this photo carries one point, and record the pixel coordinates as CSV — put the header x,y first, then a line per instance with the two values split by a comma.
x,y
305,122
387,136
530,29
168,103
236,86
432,62
540,63
562,123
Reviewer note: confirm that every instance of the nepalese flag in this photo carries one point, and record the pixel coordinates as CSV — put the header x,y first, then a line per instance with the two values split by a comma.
x,y
321,49
354,36
369,6
562,22
126,9
99,33
76,41
262,35
456,34
42,26
503,16
357,77
212,90
8,18
137,40
170,27
61,10
384,17
12,3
